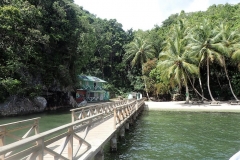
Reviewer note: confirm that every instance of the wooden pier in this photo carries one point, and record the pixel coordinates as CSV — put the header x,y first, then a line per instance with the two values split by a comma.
x,y
84,138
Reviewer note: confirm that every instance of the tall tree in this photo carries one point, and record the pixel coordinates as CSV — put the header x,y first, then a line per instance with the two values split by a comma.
x,y
175,62
205,45
230,42
138,52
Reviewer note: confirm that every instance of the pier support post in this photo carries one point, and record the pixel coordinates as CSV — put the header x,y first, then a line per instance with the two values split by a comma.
x,y
99,155
114,143
135,116
131,120
127,126
122,132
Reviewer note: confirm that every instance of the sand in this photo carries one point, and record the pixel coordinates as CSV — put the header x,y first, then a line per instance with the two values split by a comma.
x,y
223,106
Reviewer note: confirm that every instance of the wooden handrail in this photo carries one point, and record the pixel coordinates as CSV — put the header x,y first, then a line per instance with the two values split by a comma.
x,y
106,108
123,112
83,118
18,122
7,131
38,147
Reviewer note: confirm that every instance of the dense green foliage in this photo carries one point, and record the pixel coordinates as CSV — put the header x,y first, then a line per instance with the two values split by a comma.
x,y
45,44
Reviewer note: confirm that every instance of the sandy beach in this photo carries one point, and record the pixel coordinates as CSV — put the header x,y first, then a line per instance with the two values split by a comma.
x,y
224,106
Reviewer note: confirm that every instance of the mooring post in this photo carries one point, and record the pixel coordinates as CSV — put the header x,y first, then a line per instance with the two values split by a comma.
x,y
99,155
114,143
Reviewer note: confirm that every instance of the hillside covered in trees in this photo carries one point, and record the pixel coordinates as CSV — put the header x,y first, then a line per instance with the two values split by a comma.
x,y
45,44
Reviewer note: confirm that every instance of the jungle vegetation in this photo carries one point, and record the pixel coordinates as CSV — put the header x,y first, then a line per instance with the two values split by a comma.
x,y
45,44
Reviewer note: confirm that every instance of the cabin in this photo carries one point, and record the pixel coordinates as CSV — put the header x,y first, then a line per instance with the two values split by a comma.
x,y
91,89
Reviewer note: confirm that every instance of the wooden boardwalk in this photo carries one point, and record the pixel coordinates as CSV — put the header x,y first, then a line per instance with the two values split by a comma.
x,y
96,137
91,128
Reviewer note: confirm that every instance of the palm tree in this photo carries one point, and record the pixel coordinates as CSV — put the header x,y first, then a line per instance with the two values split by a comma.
x,y
138,52
204,43
230,42
175,62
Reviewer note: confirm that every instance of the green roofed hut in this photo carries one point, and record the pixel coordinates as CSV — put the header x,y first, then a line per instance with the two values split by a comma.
x,y
91,89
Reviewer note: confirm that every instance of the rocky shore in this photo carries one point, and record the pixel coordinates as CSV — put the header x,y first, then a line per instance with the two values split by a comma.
x,y
20,106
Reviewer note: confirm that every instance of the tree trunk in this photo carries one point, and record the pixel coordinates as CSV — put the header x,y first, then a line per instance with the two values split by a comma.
x,y
208,82
187,93
229,82
145,84
200,83
201,95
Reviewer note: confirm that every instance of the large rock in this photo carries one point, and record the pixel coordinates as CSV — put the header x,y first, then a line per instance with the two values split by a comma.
x,y
20,105
41,102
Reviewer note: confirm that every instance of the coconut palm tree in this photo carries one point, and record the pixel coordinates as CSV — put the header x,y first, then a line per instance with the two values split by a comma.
x,y
230,42
138,52
175,62
205,44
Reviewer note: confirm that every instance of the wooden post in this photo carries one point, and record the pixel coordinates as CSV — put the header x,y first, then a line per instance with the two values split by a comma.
x,y
127,126
136,106
2,140
40,142
114,143
70,143
115,118
131,120
99,155
122,132
36,123
73,116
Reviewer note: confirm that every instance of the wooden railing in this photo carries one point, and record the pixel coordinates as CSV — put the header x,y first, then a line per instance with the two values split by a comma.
x,y
36,146
105,108
8,131
124,111
83,119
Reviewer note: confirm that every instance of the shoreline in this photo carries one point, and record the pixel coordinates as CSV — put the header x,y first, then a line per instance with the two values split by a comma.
x,y
224,106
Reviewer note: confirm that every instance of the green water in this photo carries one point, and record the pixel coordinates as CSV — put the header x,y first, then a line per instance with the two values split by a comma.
x,y
180,136
166,135
48,120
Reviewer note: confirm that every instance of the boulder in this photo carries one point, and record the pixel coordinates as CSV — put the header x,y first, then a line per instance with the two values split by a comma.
x,y
41,102
20,105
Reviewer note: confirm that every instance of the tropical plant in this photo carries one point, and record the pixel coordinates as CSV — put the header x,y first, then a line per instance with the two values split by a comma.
x,y
175,62
205,44
138,52
230,42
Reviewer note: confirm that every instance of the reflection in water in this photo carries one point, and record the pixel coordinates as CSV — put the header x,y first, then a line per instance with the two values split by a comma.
x,y
180,135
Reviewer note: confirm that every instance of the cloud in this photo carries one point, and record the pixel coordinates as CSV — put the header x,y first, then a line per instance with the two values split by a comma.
x,y
197,5
144,14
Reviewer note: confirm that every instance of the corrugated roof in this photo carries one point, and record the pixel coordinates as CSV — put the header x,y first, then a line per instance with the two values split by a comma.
x,y
90,78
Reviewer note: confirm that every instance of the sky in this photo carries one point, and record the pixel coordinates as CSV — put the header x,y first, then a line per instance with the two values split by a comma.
x,y
144,14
